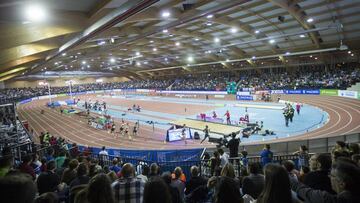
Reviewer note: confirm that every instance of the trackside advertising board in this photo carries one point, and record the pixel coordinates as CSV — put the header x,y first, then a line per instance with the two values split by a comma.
x,y
348,94
329,92
245,97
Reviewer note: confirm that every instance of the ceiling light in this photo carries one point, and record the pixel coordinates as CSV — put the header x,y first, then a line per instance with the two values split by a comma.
x,y
35,13
63,54
287,53
165,31
227,59
177,43
145,62
315,58
151,41
302,36
137,53
254,57
209,16
176,57
112,40
56,63
233,30
166,59
209,24
101,43
310,20
310,56
112,60
71,66
216,40
190,59
83,62
349,52
138,63
88,66
79,53
196,39
165,14
352,54
257,31
272,41
110,68
154,49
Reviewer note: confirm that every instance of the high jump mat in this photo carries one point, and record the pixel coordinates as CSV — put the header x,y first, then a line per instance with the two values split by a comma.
x,y
217,128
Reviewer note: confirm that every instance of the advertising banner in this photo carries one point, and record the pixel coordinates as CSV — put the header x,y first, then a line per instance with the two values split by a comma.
x,y
314,92
349,94
242,93
245,97
329,92
192,92
277,92
25,101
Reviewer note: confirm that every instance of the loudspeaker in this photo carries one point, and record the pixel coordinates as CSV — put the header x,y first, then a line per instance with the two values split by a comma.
x,y
196,136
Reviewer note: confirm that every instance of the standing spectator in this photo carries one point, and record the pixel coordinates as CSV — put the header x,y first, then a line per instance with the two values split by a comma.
x,y
215,164
59,161
154,171
303,156
233,146
50,155
128,188
195,180
26,168
145,173
277,186
224,157
227,191
74,151
156,191
345,178
177,183
254,183
103,156
266,155
36,164
115,166
354,148
48,181
81,176
244,159
175,196
289,165
318,178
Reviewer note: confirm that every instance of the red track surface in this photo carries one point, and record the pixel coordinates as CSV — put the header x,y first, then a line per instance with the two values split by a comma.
x,y
344,118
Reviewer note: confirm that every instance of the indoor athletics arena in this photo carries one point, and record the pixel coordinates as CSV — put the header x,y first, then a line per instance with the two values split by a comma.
x,y
179,101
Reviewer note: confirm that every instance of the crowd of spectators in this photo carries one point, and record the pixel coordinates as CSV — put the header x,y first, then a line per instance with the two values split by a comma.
x,y
336,78
64,175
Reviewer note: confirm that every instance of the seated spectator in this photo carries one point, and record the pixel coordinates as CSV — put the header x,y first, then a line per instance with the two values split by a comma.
x,y
277,186
50,154
48,181
345,177
60,171
26,168
70,173
99,190
227,191
174,192
48,197
318,178
340,149
5,164
36,164
156,191
254,183
128,188
354,148
289,165
59,161
81,176
195,180
17,187
178,183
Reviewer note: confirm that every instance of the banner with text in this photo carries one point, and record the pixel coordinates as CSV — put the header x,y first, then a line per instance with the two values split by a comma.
x,y
348,94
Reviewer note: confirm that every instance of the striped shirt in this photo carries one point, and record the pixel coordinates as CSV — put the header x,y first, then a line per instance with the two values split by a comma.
x,y
129,190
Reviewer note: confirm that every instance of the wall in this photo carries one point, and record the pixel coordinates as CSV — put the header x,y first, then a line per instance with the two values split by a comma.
x,y
61,81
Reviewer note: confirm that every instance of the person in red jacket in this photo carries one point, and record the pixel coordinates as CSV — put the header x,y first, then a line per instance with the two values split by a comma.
x,y
227,114
26,168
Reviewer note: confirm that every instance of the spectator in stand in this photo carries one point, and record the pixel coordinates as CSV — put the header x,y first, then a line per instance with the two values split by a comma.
x,y
303,156
318,178
224,157
277,186
154,171
354,148
128,188
59,161
340,148
174,192
17,187
36,164
81,176
254,183
178,183
156,191
70,173
266,155
356,159
345,177
48,181
74,151
50,154
215,164
233,146
227,191
303,173
289,165
244,159
145,173
60,171
48,197
115,166
99,190
26,168
5,164
195,180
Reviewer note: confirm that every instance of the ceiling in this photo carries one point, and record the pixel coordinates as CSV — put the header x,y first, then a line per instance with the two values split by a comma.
x,y
137,39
